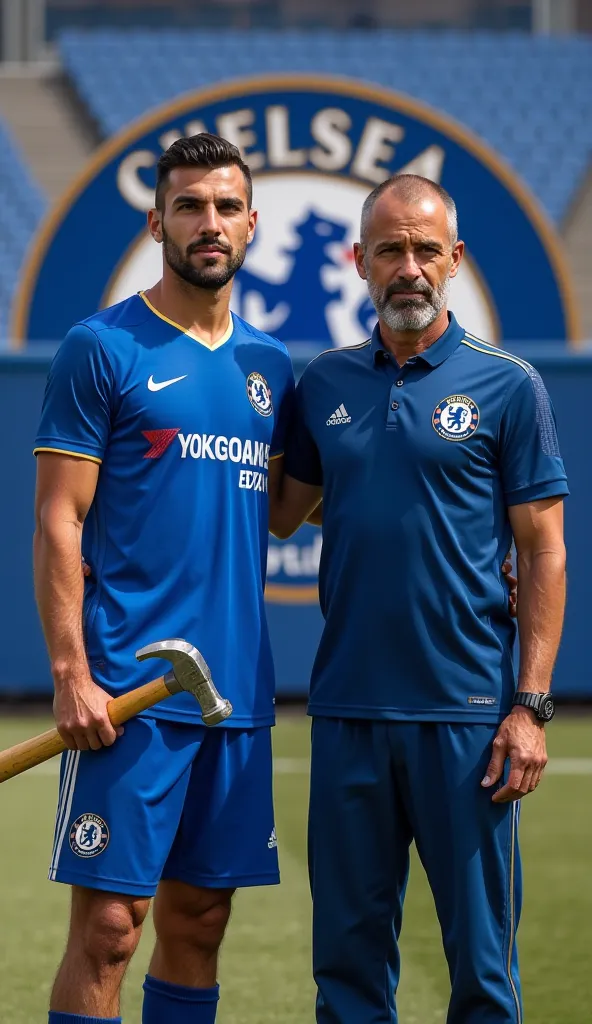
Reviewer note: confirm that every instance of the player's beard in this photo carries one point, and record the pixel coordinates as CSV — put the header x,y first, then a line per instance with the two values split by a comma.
x,y
211,278
409,314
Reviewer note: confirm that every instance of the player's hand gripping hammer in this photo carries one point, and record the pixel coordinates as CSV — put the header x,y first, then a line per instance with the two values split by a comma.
x,y
189,672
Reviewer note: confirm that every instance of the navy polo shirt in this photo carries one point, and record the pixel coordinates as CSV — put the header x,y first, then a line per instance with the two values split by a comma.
x,y
418,466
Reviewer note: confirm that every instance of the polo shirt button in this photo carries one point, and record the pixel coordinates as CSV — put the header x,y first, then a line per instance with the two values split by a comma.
x,y
399,383
394,406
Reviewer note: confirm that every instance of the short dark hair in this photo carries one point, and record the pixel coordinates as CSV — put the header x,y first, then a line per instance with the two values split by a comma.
x,y
203,150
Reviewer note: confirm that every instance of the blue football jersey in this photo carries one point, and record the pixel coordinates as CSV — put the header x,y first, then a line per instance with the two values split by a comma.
x,y
177,533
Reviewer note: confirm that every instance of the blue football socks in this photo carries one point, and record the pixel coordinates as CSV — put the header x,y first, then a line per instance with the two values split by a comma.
x,y
178,1004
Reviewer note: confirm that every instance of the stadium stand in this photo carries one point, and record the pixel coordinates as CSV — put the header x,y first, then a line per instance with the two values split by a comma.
x,y
21,207
528,97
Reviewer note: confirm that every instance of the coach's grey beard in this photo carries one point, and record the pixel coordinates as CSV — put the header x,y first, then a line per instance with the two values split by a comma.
x,y
409,314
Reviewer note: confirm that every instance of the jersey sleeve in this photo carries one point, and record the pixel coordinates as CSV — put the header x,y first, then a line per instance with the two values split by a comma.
x,y
76,413
531,464
284,413
303,461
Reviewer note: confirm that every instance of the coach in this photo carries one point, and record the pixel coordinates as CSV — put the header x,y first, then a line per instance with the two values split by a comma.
x,y
432,450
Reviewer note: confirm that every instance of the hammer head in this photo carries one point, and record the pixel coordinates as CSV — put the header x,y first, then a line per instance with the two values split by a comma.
x,y
190,672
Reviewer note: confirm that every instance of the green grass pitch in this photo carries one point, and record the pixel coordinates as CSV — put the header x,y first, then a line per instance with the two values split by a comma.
x,y
265,972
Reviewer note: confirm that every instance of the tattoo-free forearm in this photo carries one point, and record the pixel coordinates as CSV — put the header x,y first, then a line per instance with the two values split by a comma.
x,y
541,605
59,590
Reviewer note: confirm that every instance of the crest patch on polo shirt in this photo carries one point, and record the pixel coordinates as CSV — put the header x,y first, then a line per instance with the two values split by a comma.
x,y
455,418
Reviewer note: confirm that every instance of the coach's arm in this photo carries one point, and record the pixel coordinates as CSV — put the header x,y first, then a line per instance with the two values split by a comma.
x,y
291,502
538,534
65,489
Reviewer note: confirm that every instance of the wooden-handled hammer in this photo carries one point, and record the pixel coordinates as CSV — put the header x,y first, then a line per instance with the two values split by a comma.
x,y
189,672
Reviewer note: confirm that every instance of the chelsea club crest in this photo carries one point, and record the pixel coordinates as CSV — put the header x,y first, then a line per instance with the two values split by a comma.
x,y
89,835
456,418
259,394
316,146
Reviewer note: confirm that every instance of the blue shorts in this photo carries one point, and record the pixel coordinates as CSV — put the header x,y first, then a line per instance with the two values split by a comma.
x,y
167,801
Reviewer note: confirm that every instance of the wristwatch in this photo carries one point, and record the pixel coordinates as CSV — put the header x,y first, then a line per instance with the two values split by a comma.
x,y
542,704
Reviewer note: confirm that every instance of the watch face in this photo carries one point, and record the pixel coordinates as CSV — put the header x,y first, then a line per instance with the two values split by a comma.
x,y
547,709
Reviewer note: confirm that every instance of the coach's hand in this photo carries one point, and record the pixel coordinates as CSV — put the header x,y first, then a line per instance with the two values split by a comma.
x,y
80,711
521,738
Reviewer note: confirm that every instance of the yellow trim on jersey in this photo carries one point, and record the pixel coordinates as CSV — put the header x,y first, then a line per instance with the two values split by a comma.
x,y
498,355
490,346
474,337
195,337
279,455
345,348
341,348
513,910
62,451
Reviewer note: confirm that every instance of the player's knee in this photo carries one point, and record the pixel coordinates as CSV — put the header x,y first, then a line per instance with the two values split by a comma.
x,y
110,931
210,926
199,924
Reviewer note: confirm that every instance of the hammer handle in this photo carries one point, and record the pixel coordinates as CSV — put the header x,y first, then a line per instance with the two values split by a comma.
x,y
129,704
41,748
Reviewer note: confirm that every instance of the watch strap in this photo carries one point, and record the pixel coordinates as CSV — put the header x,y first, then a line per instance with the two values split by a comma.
x,y
528,700
541,703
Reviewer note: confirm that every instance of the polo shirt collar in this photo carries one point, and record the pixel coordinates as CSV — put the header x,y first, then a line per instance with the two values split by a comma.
x,y
436,353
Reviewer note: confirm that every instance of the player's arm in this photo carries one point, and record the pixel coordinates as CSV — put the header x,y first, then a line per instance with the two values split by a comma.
x,y
72,436
291,502
65,490
535,485
296,479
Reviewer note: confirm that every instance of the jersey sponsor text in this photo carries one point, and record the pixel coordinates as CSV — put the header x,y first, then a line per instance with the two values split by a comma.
x,y
220,448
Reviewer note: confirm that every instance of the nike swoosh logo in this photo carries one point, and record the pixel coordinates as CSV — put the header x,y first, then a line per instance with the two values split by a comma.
x,y
153,386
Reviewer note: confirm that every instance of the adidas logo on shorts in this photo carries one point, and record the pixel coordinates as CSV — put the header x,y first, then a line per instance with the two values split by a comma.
x,y
339,417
